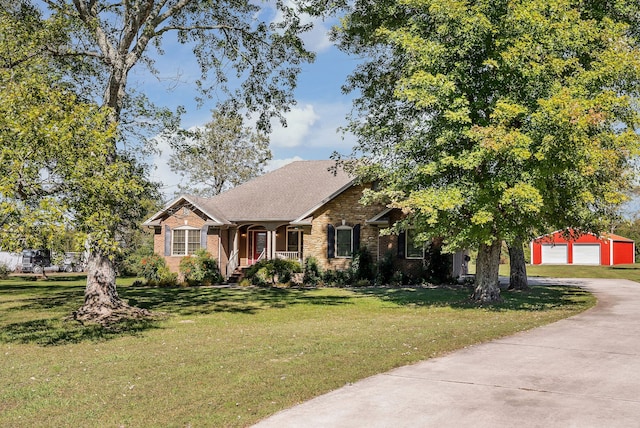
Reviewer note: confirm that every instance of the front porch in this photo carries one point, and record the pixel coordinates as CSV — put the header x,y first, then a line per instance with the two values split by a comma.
x,y
255,242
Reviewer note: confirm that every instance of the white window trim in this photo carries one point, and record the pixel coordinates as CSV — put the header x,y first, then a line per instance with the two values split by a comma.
x,y
350,229
406,247
188,230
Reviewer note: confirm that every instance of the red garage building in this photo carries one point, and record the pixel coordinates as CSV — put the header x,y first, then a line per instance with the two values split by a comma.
x,y
586,249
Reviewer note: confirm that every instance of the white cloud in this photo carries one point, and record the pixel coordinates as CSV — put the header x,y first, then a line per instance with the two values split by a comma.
x,y
317,39
274,164
313,126
300,121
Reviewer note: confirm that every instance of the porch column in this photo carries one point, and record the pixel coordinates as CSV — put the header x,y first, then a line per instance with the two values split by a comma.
x,y
236,241
269,250
274,241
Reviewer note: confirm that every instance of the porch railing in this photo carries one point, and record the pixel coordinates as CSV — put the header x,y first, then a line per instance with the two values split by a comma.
x,y
262,255
288,255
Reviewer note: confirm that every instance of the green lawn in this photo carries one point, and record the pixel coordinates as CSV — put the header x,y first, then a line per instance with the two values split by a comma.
x,y
631,272
230,357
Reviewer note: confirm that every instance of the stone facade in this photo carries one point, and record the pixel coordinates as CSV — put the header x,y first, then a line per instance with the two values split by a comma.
x,y
345,209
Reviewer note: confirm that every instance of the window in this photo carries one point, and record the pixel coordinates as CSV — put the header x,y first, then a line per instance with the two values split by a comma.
x,y
293,237
414,249
344,241
185,241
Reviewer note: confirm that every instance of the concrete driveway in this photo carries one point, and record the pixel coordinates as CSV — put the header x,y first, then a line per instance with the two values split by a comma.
x,y
583,371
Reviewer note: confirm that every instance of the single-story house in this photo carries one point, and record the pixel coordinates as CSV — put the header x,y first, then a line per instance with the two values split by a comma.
x,y
306,208
568,247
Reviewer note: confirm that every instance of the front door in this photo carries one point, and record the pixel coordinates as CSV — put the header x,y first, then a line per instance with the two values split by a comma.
x,y
259,244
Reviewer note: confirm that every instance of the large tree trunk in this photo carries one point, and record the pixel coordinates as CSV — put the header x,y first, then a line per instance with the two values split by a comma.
x,y
101,301
518,266
487,289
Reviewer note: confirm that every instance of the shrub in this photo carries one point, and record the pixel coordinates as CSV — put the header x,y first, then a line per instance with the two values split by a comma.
x,y
200,268
273,271
362,283
166,278
244,282
397,279
150,267
312,272
437,268
338,278
385,269
362,265
154,269
4,271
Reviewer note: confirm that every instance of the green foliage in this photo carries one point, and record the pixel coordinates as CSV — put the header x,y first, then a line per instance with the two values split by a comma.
x,y
312,272
338,278
129,263
210,160
150,265
272,272
154,269
437,268
362,265
200,269
65,159
385,269
248,55
487,121
4,271
58,169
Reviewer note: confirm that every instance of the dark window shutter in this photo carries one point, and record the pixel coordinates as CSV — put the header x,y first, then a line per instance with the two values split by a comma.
x,y
167,240
331,241
402,239
356,238
203,236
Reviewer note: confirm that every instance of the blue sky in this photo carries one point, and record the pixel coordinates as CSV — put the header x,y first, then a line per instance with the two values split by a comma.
x,y
312,131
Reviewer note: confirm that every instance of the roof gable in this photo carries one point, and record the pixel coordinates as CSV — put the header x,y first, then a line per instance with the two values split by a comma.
x,y
574,236
215,217
290,193
283,194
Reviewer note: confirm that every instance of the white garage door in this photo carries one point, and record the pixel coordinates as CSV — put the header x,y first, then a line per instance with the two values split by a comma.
x,y
586,254
554,254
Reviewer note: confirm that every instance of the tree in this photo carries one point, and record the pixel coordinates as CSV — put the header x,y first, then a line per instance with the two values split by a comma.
x,y
54,172
254,64
517,266
487,120
222,155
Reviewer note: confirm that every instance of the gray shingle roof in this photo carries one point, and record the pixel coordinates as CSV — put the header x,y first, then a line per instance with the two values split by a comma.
x,y
285,194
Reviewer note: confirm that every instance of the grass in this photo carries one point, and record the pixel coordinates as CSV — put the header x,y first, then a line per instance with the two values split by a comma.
x,y
631,272
230,356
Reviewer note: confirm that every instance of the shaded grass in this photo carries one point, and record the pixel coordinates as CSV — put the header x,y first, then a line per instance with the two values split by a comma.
x,y
229,357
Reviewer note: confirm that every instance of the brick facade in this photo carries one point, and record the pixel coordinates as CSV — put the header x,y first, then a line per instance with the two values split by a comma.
x,y
186,219
344,209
